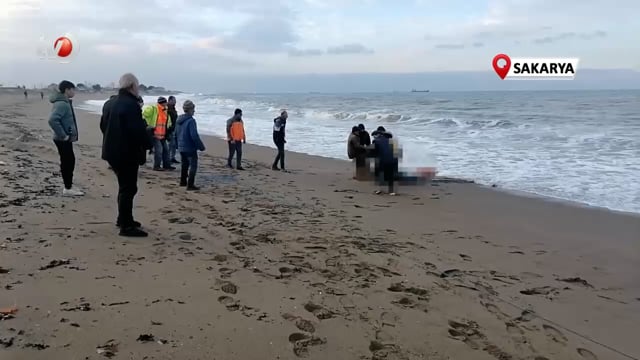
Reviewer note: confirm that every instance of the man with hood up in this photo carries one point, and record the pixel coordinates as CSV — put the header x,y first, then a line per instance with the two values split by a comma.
x,y
189,143
386,160
65,132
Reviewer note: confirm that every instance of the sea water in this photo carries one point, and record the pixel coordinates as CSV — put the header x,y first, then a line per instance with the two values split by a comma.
x,y
582,146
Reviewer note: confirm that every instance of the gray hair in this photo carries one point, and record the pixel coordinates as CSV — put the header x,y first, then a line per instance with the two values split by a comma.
x,y
128,80
188,106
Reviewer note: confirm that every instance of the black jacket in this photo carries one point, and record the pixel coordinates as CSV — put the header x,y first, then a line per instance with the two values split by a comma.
x,y
279,125
173,116
103,121
125,138
365,139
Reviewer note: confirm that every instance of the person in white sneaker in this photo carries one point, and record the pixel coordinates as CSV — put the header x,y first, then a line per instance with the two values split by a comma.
x,y
65,132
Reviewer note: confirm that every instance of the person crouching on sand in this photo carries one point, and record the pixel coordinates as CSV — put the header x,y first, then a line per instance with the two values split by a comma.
x,y
124,147
158,118
235,137
189,143
279,125
65,132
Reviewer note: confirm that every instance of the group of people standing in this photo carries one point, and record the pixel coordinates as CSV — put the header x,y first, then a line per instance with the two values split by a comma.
x,y
130,130
383,149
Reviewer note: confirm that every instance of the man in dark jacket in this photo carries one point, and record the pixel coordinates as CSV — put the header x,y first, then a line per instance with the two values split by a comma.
x,y
189,143
387,162
171,131
65,132
365,139
279,125
124,145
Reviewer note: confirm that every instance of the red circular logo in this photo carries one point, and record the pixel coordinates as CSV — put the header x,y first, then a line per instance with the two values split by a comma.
x,y
63,46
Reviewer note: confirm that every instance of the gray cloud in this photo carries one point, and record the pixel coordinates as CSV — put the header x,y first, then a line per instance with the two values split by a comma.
x,y
477,44
305,52
570,35
349,49
450,46
263,35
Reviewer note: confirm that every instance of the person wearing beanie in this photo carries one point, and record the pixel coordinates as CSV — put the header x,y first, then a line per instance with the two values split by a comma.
x,y
172,138
65,132
189,143
157,118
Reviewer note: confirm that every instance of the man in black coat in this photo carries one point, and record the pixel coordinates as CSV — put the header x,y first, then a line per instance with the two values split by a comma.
x,y
124,145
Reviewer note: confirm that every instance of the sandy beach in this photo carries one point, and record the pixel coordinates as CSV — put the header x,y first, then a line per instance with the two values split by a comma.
x,y
307,264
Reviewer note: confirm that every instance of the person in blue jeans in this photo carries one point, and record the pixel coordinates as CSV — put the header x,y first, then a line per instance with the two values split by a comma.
x,y
189,143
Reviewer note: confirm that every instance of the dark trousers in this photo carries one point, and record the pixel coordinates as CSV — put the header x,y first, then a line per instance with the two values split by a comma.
x,y
173,145
389,173
235,148
280,155
161,154
67,161
189,166
127,175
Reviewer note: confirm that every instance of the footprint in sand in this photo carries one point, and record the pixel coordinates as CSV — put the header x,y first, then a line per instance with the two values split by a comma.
x,y
382,351
399,287
555,334
587,354
226,272
526,316
466,332
388,319
301,324
230,303
301,343
305,325
228,287
430,267
513,329
465,257
408,303
495,311
318,311
542,290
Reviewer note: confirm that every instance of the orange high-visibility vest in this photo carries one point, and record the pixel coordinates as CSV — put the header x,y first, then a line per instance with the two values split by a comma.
x,y
237,131
160,130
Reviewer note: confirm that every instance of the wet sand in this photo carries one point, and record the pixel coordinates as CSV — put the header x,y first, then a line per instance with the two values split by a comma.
x,y
268,265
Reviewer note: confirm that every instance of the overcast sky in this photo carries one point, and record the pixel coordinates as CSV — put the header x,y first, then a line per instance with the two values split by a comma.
x,y
189,43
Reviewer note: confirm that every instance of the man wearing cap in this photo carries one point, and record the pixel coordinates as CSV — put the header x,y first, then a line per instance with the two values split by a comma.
x,y
157,118
65,132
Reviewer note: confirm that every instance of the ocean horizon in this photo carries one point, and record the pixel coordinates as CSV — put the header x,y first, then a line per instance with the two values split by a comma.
x,y
576,145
